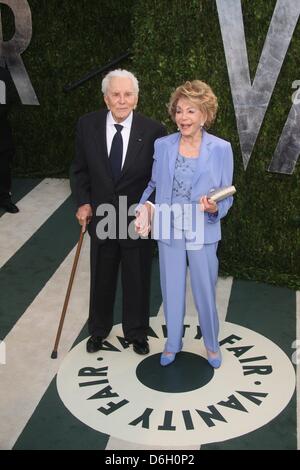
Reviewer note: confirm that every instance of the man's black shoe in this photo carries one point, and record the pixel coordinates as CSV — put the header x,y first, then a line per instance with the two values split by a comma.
x,y
141,347
94,344
8,206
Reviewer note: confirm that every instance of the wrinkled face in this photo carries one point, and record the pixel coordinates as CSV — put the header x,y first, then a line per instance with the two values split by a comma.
x,y
188,117
121,97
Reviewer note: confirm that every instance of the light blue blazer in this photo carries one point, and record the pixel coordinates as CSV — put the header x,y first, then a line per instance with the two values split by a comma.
x,y
214,169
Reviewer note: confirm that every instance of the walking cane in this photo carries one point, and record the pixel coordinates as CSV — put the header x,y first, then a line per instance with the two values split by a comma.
x,y
64,310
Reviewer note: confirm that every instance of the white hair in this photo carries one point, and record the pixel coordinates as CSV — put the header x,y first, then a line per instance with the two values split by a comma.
x,y
119,73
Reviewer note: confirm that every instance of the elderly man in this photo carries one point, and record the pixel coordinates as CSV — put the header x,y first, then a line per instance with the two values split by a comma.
x,y
114,156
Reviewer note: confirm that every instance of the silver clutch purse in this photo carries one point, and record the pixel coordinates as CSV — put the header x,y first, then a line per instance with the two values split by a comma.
x,y
217,195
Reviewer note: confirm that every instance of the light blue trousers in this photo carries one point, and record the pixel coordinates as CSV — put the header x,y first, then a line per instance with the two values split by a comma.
x,y
203,266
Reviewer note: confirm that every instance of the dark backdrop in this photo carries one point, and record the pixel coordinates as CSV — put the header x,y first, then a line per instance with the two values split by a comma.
x,y
171,41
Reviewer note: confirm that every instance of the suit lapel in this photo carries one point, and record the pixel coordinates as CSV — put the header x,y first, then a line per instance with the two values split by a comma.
x,y
202,161
135,144
101,144
173,150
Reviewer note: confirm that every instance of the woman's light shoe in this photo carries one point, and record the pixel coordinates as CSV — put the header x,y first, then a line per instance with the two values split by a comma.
x,y
166,359
215,362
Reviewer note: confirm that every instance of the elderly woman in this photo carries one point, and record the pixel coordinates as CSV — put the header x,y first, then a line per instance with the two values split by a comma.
x,y
187,166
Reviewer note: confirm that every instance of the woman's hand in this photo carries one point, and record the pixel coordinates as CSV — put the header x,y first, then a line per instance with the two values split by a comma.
x,y
206,205
143,219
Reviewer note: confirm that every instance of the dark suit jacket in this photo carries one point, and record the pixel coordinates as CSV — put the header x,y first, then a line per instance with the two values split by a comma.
x,y
93,182
6,139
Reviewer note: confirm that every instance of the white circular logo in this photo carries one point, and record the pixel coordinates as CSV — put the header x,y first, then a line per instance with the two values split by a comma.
x,y
134,398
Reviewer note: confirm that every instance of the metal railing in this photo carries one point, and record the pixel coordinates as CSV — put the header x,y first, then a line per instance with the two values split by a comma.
x,y
93,73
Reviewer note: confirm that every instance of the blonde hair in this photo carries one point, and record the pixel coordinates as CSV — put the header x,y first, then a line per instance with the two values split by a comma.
x,y
201,95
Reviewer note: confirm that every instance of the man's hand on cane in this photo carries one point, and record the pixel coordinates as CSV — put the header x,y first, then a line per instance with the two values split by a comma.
x,y
84,214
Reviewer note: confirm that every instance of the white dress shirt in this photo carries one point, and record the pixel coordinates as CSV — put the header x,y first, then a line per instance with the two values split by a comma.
x,y
111,130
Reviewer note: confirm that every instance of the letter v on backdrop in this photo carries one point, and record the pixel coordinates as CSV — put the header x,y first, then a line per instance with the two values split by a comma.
x,y
251,100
